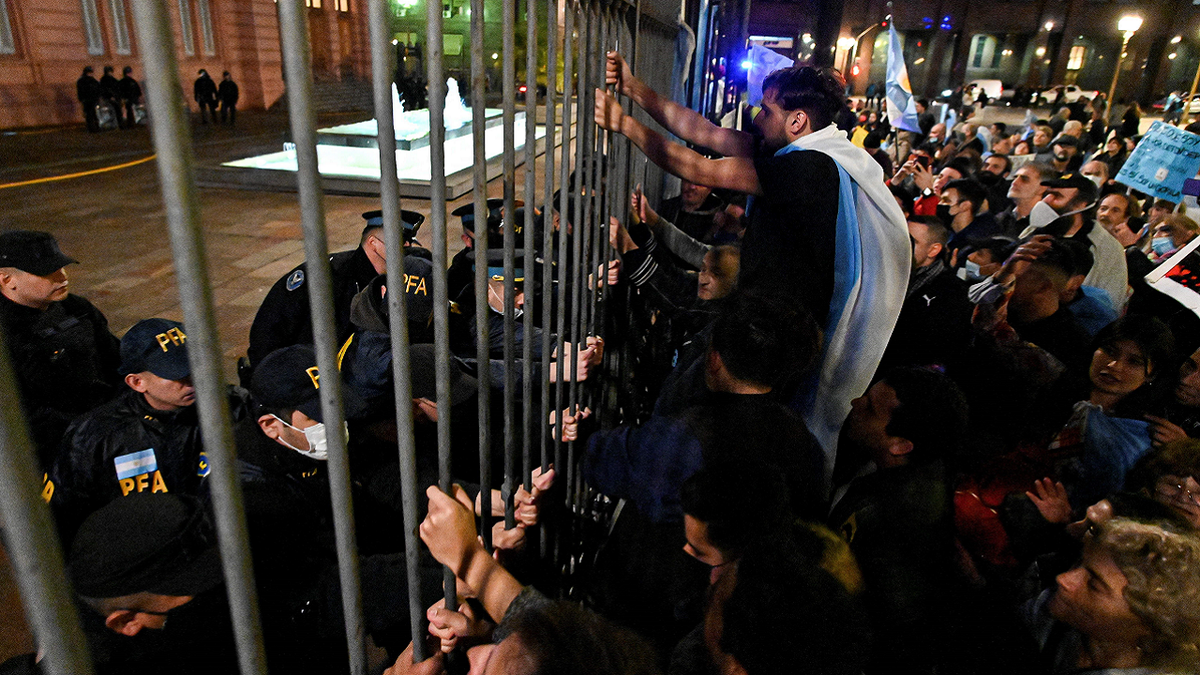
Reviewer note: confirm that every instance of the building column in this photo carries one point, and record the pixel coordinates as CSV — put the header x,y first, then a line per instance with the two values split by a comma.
x,y
825,33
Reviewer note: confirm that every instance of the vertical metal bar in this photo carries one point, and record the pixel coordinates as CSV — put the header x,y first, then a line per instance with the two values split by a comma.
x,y
437,218
293,27
548,254
389,193
565,234
482,315
31,543
599,37
172,143
508,27
531,61
578,268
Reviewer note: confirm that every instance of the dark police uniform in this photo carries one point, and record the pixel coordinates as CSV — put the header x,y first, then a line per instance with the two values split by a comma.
x,y
124,447
64,357
461,273
285,317
65,360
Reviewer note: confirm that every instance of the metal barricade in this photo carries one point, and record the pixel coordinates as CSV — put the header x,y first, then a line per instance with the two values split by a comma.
x,y
564,285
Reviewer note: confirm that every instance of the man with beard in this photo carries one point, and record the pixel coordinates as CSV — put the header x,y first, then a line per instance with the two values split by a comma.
x,y
816,196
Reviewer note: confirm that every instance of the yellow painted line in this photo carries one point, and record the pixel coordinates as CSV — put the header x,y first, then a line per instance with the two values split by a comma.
x,y
50,179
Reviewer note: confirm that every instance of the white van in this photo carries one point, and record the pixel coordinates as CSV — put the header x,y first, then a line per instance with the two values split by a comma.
x,y
993,88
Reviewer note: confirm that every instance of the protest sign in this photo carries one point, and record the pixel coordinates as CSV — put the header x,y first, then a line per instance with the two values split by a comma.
x,y
1164,158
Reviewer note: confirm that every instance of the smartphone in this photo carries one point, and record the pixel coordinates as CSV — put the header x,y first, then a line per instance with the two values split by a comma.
x,y
923,161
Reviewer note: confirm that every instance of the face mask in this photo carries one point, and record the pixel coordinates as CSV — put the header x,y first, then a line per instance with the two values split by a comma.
x,y
1098,180
972,269
988,179
518,312
1162,245
943,214
318,442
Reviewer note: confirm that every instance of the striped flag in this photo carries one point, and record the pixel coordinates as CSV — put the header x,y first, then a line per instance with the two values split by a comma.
x,y
901,108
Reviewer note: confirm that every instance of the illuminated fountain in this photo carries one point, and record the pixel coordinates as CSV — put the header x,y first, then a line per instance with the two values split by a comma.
x,y
412,126
348,158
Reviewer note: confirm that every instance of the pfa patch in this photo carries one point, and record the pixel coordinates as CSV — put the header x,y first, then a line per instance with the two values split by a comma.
x,y
136,463
295,280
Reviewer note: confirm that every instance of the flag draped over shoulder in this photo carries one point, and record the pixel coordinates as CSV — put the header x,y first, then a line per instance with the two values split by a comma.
x,y
762,62
901,108
873,257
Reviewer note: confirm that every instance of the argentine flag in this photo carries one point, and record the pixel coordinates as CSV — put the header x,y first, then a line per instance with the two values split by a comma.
x,y
761,62
901,108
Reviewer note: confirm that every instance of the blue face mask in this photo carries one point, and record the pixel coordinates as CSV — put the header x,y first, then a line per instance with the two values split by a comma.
x,y
972,269
1162,245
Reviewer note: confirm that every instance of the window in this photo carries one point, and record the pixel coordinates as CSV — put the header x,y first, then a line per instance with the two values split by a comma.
x,y
206,28
342,5
979,47
997,54
1075,59
315,4
185,28
91,28
120,26
7,44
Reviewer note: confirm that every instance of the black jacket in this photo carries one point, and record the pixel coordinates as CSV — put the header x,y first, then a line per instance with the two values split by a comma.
x,y
204,90
131,91
96,462
87,90
110,87
65,360
934,326
228,92
284,318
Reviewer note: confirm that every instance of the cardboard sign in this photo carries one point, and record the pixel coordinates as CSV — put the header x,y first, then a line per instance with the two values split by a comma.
x,y
1164,158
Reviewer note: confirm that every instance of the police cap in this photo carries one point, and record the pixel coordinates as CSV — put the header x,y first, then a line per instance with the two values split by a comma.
x,y
33,252
467,213
288,379
158,346
410,220
495,264
153,543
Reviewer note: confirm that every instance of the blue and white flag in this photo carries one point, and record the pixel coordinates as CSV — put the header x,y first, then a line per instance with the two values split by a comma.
x,y
136,464
901,108
761,62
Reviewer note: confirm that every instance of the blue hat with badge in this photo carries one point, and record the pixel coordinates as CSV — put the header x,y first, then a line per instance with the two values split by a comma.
x,y
410,220
158,346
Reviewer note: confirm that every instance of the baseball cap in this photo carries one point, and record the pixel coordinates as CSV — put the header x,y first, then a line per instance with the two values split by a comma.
x,y
1066,140
418,296
33,252
154,543
1087,189
410,220
422,365
288,379
158,346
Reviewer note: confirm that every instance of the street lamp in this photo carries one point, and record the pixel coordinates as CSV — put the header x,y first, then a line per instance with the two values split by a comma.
x,y
1128,25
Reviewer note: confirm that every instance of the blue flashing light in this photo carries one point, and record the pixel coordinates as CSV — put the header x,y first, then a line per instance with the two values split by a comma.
x,y
746,65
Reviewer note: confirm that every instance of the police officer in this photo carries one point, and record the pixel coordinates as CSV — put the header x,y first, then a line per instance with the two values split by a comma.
x,y
460,275
284,318
410,222
148,571
145,441
63,354
365,359
283,451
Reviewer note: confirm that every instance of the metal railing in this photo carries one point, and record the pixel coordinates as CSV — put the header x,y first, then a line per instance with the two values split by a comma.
x,y
567,284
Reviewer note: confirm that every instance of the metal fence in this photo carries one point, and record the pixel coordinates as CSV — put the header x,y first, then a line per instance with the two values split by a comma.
x,y
570,282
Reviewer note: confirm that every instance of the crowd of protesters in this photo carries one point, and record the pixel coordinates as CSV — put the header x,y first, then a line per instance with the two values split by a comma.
x,y
895,413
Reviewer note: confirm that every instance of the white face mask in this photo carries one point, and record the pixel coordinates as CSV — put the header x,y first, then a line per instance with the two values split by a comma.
x,y
318,442
1098,180
518,312
1042,214
972,269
